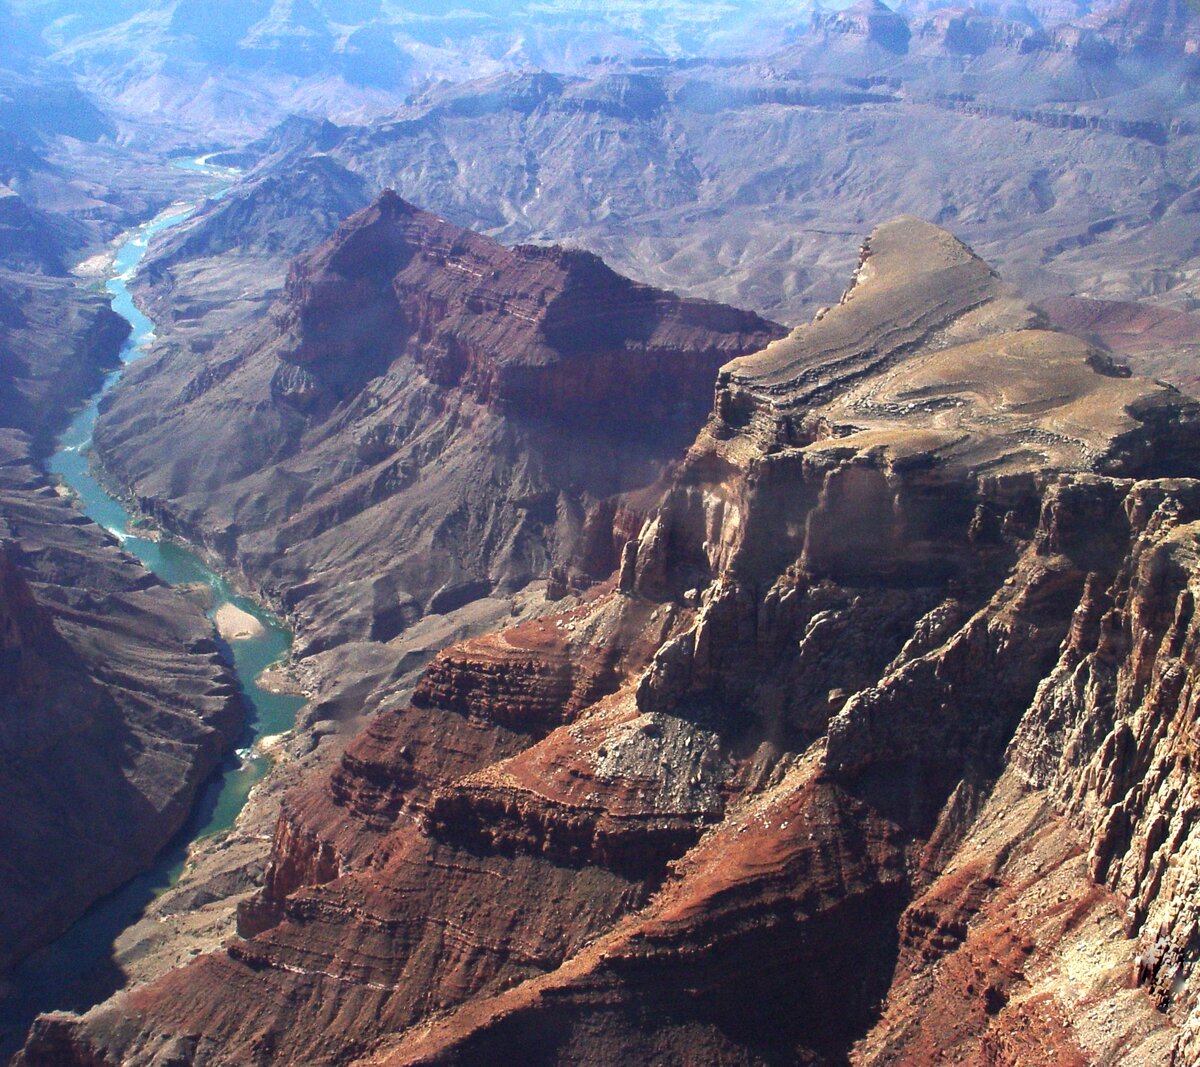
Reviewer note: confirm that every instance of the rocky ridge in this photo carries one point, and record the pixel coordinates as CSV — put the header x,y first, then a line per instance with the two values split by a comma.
x,y
456,410
748,179
186,283
219,68
885,709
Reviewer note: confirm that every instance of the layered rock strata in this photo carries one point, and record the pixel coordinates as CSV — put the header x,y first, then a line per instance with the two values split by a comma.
x,y
426,417
875,749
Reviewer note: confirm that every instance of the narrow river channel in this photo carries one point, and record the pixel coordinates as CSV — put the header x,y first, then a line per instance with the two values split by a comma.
x,y
77,970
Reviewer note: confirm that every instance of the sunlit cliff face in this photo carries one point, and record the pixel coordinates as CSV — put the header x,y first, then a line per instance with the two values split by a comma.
x,y
679,687
836,659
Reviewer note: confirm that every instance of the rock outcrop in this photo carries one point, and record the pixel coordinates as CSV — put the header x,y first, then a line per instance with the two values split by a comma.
x,y
427,416
748,180
871,21
115,703
876,748
1153,28
264,222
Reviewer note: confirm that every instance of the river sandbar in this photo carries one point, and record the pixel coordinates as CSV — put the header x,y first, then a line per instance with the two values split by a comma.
x,y
234,624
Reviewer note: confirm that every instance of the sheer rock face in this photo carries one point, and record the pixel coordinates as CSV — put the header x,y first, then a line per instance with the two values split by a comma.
x,y
426,417
57,342
115,703
878,747
1162,27
115,706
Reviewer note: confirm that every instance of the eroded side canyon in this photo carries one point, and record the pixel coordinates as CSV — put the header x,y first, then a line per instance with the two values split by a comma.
x,y
882,722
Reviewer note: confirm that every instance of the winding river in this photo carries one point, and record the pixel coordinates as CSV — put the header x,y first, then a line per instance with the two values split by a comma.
x,y
77,971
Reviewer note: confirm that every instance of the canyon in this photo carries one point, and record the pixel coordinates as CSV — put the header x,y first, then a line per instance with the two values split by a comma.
x,y
424,417
116,702
234,68
681,685
886,705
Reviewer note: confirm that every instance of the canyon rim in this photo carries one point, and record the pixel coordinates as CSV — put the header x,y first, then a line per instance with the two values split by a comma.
x,y
574,534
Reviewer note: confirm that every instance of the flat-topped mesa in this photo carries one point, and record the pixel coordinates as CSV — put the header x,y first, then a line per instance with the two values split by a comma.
x,y
925,411
533,331
869,19
965,31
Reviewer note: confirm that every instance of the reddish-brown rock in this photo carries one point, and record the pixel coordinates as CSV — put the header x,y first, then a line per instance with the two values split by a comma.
x,y
886,718
467,416
1159,342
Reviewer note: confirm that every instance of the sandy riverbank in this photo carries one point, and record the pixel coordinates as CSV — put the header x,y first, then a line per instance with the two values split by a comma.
x,y
234,624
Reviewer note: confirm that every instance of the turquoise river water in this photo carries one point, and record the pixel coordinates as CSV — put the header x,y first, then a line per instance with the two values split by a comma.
x,y
77,970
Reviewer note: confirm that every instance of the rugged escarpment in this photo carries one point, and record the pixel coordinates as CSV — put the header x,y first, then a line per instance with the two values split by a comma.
x,y
748,180
1153,27
56,344
116,706
224,266
877,747
114,701
426,417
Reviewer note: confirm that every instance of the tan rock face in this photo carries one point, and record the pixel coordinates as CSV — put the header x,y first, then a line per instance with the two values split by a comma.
x,y
878,748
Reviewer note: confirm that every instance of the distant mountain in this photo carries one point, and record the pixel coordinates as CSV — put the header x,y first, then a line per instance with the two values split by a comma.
x,y
225,68
284,212
49,106
43,119
222,69
1066,159
20,44
213,70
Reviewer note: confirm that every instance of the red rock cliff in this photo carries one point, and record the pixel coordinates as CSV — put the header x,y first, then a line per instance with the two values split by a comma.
x,y
877,749
468,416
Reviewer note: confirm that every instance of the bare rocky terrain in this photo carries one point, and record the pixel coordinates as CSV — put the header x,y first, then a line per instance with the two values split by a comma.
x,y
849,733
853,724
1065,155
169,68
115,703
425,416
